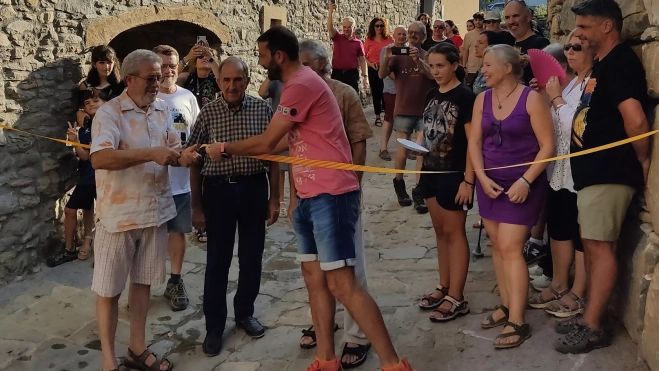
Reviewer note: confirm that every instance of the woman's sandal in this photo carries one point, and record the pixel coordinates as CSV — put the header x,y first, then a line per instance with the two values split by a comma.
x,y
562,310
312,334
478,225
523,331
201,237
491,323
85,253
458,309
384,154
361,351
432,301
139,362
538,302
378,123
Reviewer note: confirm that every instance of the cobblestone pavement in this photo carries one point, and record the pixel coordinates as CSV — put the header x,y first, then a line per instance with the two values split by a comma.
x,y
47,320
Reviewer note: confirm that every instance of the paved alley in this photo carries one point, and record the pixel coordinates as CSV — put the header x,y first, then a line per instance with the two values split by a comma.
x,y
47,320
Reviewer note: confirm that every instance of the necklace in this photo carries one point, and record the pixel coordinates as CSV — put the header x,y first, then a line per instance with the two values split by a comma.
x,y
509,94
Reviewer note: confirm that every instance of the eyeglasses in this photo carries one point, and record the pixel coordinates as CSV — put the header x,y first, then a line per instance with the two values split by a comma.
x,y
496,125
575,47
169,66
151,80
379,26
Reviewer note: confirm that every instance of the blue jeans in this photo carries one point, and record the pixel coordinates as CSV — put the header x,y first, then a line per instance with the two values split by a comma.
x,y
408,124
325,229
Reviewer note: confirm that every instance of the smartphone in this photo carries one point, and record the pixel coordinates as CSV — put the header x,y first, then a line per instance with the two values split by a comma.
x,y
201,40
400,50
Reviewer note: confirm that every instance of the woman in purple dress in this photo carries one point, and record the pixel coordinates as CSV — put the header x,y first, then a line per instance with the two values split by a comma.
x,y
511,125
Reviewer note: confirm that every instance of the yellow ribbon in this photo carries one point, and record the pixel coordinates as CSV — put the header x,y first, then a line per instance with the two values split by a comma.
x,y
374,169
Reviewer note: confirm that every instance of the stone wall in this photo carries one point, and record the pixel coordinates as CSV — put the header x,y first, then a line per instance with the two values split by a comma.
x,y
44,54
637,291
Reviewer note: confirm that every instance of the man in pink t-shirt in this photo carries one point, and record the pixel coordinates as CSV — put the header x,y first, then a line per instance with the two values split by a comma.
x,y
327,211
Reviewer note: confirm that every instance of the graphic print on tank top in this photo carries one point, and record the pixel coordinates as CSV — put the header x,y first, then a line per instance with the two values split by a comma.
x,y
439,120
581,116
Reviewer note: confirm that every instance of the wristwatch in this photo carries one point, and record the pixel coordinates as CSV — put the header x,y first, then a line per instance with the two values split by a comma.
x,y
223,152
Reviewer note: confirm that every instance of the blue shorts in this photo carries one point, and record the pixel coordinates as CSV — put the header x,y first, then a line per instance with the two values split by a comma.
x,y
182,222
325,229
408,124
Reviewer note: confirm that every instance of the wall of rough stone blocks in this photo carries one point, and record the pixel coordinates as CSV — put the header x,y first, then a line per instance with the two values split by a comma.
x,y
43,56
637,292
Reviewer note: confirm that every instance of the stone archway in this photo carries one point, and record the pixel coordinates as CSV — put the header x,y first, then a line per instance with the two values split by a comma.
x,y
105,30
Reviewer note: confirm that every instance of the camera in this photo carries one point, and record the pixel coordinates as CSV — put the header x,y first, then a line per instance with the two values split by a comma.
x,y
400,50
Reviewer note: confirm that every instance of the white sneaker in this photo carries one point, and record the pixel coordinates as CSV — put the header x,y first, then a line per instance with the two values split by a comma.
x,y
535,271
541,283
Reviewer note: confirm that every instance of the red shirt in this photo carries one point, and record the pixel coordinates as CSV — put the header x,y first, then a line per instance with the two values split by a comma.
x,y
457,40
346,52
318,134
373,48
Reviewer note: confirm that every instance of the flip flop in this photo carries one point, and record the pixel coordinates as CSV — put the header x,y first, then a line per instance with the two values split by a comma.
x,y
360,351
378,123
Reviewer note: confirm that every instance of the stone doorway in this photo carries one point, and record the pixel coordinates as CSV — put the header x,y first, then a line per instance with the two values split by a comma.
x,y
178,34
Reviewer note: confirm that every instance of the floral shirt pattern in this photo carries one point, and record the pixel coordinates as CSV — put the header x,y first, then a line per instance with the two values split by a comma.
x,y
139,196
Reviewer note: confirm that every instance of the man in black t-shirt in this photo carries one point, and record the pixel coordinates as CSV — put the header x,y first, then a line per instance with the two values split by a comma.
x,y
611,109
438,35
518,20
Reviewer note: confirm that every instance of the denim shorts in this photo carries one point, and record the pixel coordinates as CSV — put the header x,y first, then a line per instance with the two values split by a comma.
x,y
408,124
182,222
325,229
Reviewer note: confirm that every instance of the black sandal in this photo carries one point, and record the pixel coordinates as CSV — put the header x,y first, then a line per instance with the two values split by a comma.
x,y
523,331
202,235
139,362
459,308
312,334
378,123
433,302
492,323
360,351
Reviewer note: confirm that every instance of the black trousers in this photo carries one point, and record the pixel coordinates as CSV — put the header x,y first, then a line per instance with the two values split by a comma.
x,y
547,263
350,77
469,79
377,90
241,202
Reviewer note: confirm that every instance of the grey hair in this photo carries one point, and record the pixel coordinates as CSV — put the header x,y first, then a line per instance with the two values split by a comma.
x,y
506,54
236,61
421,26
133,62
349,19
317,52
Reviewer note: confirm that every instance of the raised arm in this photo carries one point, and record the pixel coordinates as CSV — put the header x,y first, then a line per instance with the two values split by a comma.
x,y
330,23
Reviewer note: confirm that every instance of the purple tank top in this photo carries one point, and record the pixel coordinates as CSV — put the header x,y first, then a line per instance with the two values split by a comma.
x,y
515,143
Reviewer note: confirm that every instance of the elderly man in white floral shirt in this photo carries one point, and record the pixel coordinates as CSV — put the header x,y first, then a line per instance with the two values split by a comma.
x,y
133,143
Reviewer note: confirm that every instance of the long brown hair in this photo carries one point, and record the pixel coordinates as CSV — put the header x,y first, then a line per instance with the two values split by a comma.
x,y
103,53
371,28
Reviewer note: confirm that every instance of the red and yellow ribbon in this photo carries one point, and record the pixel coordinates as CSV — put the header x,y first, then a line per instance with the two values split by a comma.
x,y
375,169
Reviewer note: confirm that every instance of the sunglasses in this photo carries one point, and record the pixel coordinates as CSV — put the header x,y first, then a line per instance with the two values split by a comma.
x,y
379,26
439,27
491,22
152,80
496,125
575,47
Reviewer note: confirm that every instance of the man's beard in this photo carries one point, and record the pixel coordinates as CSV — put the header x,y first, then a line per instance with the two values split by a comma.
x,y
274,71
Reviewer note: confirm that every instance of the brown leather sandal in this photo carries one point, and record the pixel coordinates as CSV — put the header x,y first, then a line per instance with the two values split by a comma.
x,y
491,323
538,302
139,362
433,302
523,331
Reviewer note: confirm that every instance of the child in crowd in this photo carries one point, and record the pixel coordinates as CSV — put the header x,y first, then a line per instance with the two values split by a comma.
x,y
84,193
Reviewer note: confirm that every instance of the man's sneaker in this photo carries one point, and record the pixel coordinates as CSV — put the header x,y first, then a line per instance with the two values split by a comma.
x,y
541,283
177,295
419,202
534,252
582,339
403,198
62,257
565,326
535,271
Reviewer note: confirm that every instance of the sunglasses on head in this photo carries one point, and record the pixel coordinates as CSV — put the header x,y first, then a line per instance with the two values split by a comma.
x,y
379,25
575,47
